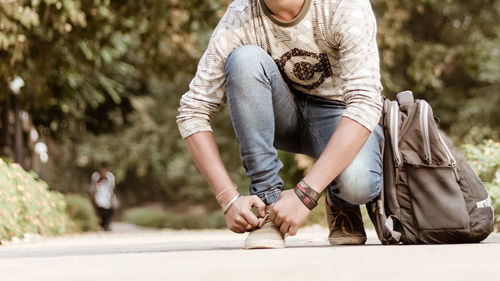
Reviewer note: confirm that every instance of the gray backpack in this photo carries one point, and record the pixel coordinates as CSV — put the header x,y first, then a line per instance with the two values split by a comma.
x,y
430,194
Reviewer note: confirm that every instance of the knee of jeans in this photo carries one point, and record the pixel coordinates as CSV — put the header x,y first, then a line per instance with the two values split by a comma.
x,y
359,187
245,59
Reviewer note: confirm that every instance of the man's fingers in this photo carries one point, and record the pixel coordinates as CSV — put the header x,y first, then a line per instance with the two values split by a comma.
x,y
239,225
293,230
250,218
272,215
284,227
240,217
240,221
278,220
257,203
235,225
237,229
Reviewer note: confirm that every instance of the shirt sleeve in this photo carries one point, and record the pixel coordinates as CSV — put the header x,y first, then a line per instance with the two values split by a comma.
x,y
111,178
94,178
206,92
353,32
93,184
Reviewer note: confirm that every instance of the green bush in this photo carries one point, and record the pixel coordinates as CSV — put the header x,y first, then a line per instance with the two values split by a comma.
x,y
27,206
147,217
216,220
485,160
152,217
81,213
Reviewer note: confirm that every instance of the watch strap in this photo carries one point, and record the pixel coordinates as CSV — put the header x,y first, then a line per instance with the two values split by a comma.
x,y
306,200
307,190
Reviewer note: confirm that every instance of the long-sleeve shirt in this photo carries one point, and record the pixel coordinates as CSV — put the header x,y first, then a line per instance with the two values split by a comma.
x,y
328,50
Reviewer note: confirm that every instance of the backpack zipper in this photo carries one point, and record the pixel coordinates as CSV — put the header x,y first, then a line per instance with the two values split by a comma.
x,y
451,159
449,155
394,128
424,123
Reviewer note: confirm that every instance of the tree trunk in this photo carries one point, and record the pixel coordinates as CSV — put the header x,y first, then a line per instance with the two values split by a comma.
x,y
19,140
5,138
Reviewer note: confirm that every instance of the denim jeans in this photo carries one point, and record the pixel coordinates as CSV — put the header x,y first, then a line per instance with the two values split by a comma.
x,y
267,115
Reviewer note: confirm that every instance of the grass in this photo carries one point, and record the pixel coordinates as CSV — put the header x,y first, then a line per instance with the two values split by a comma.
x,y
156,218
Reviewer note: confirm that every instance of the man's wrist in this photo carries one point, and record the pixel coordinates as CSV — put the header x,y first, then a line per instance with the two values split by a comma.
x,y
224,199
308,202
308,196
230,203
309,191
312,183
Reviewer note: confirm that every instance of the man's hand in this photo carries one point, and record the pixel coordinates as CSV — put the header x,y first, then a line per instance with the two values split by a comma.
x,y
288,213
240,215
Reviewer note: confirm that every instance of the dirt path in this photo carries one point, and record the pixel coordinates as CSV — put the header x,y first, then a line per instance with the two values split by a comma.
x,y
135,254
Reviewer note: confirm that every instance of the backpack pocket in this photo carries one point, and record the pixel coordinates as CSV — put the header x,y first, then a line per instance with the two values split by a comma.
x,y
436,198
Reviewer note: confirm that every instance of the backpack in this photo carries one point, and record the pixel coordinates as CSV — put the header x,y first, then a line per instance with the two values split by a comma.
x,y
430,194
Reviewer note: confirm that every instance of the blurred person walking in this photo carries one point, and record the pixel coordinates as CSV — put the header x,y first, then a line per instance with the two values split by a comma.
x,y
102,195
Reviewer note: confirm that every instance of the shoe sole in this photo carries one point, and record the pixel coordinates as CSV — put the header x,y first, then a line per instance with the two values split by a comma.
x,y
265,244
347,241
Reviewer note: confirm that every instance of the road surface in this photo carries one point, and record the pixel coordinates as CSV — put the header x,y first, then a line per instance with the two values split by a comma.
x,y
146,255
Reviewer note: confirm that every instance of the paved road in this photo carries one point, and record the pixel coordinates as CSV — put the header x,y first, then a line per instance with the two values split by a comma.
x,y
134,254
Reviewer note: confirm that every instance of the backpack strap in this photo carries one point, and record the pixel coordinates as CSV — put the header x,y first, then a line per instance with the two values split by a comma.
x,y
385,226
389,224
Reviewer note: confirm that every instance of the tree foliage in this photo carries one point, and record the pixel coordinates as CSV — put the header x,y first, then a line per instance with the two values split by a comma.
x,y
447,52
105,78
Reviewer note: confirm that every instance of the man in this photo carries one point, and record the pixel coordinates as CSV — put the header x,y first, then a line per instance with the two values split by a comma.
x,y
102,194
301,76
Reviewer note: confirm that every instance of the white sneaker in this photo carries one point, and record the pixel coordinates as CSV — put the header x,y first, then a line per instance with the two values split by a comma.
x,y
267,236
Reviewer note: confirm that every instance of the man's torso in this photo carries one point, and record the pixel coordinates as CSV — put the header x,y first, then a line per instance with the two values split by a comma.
x,y
302,48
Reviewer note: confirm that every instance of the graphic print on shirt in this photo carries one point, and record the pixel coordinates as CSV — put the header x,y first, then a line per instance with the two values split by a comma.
x,y
304,69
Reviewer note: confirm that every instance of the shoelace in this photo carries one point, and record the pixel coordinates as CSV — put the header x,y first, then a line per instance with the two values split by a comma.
x,y
264,220
341,214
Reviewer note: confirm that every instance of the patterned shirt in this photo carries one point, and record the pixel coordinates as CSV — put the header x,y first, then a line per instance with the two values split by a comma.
x,y
328,50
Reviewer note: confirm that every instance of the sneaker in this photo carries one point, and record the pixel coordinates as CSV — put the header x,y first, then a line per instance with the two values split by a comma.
x,y
266,236
345,224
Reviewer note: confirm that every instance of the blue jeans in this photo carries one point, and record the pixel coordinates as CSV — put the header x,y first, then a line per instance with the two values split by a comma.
x,y
267,115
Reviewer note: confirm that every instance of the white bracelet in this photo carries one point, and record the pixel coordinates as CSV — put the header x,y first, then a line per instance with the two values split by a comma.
x,y
231,202
226,189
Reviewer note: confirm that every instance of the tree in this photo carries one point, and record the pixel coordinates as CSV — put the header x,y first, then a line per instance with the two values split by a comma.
x,y
446,52
104,79
17,21
72,56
